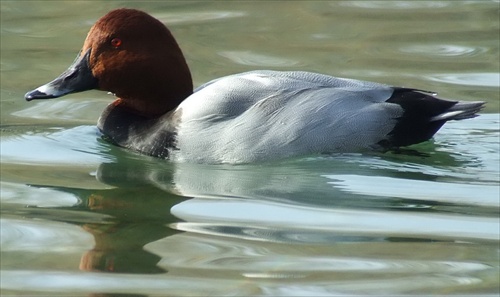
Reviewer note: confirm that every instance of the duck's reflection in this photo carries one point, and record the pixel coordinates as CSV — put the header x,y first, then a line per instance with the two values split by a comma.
x,y
122,219
118,248
138,205
140,215
135,208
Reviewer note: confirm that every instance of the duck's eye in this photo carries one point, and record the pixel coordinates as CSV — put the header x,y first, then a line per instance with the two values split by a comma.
x,y
116,42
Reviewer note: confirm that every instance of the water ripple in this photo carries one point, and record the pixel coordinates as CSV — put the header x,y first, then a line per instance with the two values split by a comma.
x,y
254,59
385,5
446,50
480,79
15,193
427,190
370,286
77,145
262,260
196,17
41,236
62,283
372,222
64,109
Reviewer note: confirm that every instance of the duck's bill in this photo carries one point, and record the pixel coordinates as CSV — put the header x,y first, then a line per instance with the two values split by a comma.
x,y
77,78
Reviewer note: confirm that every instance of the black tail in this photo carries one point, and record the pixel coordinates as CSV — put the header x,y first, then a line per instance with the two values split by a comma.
x,y
424,115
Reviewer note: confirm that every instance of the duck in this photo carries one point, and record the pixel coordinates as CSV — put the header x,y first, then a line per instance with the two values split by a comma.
x,y
254,116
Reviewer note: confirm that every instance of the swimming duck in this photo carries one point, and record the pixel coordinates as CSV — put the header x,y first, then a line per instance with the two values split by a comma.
x,y
246,117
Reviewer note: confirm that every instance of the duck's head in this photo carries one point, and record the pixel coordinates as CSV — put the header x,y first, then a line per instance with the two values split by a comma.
x,y
131,54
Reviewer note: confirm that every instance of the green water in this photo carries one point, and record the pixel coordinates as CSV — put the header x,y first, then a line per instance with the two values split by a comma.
x,y
80,217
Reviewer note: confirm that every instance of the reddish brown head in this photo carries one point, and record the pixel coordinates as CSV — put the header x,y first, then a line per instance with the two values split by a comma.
x,y
134,56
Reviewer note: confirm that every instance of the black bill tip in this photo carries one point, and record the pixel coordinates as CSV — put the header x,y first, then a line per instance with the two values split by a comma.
x,y
36,94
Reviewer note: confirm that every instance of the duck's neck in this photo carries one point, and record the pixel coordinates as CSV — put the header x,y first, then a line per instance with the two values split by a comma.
x,y
156,98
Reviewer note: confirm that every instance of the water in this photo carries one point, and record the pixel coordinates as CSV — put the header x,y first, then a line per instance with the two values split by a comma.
x,y
81,217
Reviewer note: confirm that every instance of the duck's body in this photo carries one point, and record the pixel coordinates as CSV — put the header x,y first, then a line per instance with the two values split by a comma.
x,y
252,116
264,115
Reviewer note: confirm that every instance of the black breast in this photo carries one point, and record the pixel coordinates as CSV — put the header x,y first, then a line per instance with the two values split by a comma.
x,y
149,136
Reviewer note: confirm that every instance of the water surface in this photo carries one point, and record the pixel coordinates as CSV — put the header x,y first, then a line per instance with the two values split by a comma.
x,y
81,217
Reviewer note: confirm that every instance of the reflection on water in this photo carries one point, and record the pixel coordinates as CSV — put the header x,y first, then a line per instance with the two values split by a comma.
x,y
345,224
444,50
429,190
254,59
80,217
475,79
387,5
198,16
